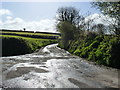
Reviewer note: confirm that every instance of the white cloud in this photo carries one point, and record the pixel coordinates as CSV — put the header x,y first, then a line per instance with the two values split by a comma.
x,y
9,18
1,22
5,12
11,21
100,18
45,25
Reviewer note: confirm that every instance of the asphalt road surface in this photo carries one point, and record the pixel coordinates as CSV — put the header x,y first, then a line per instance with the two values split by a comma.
x,y
52,67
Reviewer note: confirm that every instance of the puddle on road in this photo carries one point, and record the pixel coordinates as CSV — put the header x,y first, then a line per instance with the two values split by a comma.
x,y
7,65
78,83
41,63
44,66
23,70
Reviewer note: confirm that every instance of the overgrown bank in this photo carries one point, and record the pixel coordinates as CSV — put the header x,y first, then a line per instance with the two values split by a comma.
x,y
102,49
16,45
88,38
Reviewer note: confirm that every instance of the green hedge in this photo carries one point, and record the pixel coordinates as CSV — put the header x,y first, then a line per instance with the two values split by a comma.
x,y
103,49
19,45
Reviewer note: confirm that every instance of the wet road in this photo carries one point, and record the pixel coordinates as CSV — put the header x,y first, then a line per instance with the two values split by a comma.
x,y
52,67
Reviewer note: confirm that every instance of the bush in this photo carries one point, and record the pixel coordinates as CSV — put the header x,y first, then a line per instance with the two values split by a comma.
x,y
103,49
77,52
99,56
18,46
13,46
95,44
90,35
85,52
99,38
92,55
115,52
67,31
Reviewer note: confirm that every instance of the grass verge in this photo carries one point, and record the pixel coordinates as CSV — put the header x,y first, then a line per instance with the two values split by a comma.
x,y
18,45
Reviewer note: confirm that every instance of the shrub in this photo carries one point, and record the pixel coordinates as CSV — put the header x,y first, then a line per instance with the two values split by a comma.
x,y
17,46
95,44
77,52
85,52
103,49
99,38
99,56
13,46
90,35
92,56
115,52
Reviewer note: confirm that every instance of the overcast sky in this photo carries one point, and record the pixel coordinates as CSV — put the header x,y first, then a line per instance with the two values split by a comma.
x,y
37,16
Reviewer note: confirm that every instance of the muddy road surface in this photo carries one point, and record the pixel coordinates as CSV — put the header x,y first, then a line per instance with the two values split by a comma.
x,y
52,67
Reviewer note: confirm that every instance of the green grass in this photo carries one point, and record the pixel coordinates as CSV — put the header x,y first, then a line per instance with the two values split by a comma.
x,y
34,43
17,45
30,33
13,36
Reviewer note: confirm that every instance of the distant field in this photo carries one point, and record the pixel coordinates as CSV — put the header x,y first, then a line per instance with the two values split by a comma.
x,y
30,33
20,37
40,35
16,43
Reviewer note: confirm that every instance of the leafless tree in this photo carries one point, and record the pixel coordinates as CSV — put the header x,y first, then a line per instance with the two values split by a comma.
x,y
69,14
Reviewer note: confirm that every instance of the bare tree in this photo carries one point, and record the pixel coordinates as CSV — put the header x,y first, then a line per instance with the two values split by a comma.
x,y
69,14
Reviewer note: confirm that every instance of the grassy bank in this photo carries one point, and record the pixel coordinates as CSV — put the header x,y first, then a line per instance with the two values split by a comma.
x,y
102,49
18,45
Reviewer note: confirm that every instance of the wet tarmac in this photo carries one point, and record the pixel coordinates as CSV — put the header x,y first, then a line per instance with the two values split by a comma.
x,y
52,67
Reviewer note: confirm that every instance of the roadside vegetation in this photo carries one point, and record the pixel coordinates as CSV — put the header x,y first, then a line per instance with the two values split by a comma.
x,y
93,42
18,45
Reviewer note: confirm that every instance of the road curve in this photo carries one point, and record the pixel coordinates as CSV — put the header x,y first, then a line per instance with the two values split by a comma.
x,y
52,67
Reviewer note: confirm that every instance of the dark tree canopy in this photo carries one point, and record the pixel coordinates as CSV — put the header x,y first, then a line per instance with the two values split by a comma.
x,y
68,18
69,14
